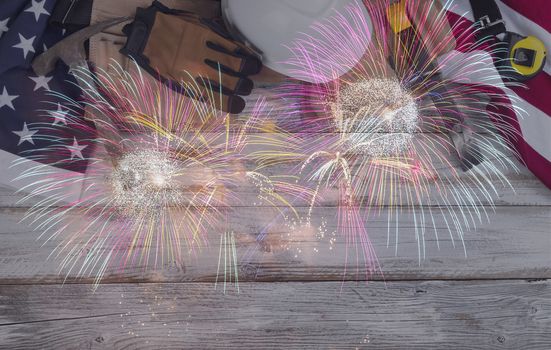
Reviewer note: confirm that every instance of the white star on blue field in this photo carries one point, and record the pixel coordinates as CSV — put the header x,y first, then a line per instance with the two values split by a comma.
x,y
31,107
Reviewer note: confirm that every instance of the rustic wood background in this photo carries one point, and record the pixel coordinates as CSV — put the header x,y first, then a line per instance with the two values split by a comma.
x,y
496,297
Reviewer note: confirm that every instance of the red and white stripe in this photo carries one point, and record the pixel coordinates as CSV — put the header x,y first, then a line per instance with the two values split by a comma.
x,y
534,124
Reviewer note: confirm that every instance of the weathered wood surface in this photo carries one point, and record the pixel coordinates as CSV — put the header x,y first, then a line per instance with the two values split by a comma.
x,y
519,188
506,314
524,190
478,312
291,290
514,244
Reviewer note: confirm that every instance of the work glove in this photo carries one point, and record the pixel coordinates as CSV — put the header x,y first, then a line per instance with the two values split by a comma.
x,y
179,47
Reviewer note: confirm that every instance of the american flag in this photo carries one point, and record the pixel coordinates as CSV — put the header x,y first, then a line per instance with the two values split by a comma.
x,y
38,121
525,18
24,97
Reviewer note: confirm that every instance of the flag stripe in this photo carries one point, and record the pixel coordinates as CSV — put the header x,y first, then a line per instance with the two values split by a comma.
x,y
537,93
534,123
72,190
538,164
537,10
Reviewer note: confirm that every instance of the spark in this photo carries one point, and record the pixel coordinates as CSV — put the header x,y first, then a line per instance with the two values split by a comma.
x,y
376,117
163,175
144,180
381,132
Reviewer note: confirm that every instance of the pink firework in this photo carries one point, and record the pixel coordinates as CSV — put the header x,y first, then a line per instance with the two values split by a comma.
x,y
400,114
164,172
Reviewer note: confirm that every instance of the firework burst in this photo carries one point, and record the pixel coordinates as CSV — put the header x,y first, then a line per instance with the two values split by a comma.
x,y
394,133
163,174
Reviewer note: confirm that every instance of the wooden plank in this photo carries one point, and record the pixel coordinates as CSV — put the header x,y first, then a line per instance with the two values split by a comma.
x,y
507,314
522,187
514,244
524,190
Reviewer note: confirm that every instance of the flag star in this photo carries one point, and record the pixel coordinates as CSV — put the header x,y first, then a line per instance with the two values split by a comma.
x,y
59,115
7,99
25,44
41,81
76,149
25,135
38,9
4,26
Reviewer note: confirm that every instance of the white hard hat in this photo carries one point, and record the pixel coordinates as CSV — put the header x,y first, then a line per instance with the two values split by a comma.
x,y
271,27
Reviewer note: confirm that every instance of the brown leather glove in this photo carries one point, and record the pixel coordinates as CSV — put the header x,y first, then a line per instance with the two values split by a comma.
x,y
180,47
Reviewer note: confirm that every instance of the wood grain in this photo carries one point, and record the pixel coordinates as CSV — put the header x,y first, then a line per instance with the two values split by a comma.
x,y
292,293
414,315
514,244
519,188
524,190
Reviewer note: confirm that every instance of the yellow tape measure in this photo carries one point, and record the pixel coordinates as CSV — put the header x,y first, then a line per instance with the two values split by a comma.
x,y
526,56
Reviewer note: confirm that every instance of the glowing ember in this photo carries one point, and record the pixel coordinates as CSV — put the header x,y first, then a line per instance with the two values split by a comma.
x,y
378,115
145,179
